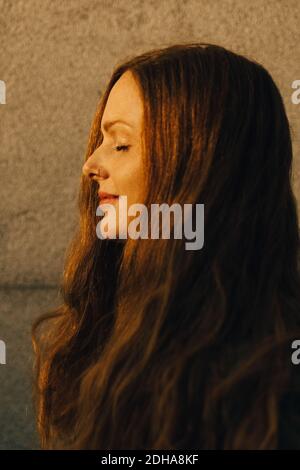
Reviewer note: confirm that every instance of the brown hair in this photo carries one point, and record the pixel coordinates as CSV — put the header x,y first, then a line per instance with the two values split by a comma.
x,y
153,346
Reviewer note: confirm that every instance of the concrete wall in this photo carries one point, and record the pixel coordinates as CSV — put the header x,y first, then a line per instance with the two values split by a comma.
x,y
55,58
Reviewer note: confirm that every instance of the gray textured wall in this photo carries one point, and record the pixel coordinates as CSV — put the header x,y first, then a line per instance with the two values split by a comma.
x,y
55,57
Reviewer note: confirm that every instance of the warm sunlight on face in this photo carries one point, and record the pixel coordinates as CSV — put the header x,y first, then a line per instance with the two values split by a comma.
x,y
117,163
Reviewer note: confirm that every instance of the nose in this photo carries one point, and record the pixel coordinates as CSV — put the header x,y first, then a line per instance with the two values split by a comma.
x,y
93,167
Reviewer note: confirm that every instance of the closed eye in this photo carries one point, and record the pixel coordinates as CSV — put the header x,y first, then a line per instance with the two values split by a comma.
x,y
121,148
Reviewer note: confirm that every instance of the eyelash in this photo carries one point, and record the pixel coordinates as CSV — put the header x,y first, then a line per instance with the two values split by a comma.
x,y
122,148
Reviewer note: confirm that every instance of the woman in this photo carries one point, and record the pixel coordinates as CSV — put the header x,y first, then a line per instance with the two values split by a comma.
x,y
159,347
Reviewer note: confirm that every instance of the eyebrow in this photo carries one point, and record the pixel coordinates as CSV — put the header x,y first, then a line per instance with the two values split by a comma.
x,y
108,124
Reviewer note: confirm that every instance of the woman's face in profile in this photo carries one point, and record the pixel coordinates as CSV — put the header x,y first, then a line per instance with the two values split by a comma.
x,y
116,164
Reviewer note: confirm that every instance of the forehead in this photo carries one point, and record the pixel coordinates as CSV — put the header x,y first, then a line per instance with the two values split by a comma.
x,y
124,102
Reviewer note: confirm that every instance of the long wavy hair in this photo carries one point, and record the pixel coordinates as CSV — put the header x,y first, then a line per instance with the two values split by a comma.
x,y
157,347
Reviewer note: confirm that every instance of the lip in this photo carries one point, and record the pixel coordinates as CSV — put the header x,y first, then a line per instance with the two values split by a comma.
x,y
107,197
108,200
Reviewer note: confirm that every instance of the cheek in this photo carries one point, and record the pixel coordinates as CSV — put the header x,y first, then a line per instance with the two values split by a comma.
x,y
128,179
